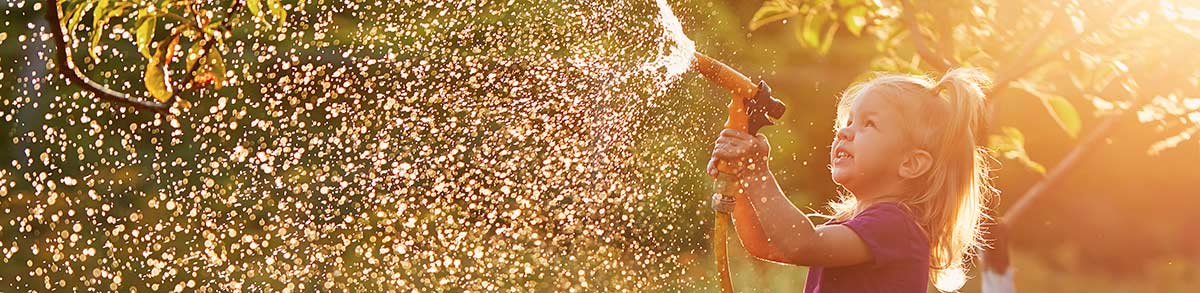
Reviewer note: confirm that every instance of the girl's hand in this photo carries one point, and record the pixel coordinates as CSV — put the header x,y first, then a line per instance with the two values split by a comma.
x,y
739,148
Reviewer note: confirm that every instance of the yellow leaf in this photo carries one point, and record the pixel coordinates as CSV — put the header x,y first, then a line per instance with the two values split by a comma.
x,y
277,10
157,78
255,8
100,19
809,33
828,41
772,11
145,32
1064,113
218,66
193,54
76,14
855,19
1057,106
1011,145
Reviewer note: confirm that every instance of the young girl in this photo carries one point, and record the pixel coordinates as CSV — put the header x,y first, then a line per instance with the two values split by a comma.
x,y
917,185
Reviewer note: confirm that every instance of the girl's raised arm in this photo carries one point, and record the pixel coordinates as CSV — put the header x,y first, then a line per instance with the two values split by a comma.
x,y
789,236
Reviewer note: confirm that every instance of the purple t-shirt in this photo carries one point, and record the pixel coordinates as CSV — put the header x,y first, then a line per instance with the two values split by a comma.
x,y
899,250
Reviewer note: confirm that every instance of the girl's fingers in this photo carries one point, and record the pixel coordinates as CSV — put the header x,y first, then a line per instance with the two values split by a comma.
x,y
712,167
732,141
734,148
724,144
731,146
729,133
719,153
736,134
724,154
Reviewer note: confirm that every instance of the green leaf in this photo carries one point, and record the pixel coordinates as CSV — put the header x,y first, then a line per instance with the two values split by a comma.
x,y
194,53
1057,106
102,9
100,17
157,77
771,11
98,24
278,11
855,19
827,42
1011,145
848,3
810,33
218,66
255,8
1064,113
145,32
76,14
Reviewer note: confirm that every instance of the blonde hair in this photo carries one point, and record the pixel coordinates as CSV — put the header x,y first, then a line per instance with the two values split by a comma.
x,y
950,199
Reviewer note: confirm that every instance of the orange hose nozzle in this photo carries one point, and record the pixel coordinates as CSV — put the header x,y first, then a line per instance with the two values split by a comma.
x,y
724,76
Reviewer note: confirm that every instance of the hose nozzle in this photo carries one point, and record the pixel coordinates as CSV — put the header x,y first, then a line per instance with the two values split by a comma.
x,y
752,106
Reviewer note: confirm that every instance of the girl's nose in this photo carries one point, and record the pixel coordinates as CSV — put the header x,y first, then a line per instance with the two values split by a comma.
x,y
845,133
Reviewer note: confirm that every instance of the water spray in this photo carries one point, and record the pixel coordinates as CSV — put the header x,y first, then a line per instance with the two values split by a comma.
x,y
751,107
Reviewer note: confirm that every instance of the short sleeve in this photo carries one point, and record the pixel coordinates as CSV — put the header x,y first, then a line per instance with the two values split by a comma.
x,y
890,233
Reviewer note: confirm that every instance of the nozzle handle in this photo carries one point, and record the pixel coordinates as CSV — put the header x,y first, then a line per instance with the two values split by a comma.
x,y
763,108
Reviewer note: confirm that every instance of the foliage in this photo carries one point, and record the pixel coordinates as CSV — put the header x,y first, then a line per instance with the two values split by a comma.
x,y
1031,45
160,26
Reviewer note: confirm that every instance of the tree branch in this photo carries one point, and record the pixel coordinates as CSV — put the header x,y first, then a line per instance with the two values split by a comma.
x,y
62,57
1005,80
1031,45
996,258
944,29
1166,79
234,7
933,58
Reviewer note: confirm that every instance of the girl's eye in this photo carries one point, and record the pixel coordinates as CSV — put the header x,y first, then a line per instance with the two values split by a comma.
x,y
870,123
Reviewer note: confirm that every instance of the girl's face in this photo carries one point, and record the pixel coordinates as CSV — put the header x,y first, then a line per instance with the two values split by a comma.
x,y
867,151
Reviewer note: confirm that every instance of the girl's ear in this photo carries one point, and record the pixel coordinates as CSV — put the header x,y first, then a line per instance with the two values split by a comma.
x,y
915,164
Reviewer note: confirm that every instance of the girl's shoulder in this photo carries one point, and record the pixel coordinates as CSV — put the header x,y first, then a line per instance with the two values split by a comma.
x,y
882,209
890,218
890,207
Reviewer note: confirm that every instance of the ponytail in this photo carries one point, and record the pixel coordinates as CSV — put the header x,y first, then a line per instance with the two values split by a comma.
x,y
959,186
964,89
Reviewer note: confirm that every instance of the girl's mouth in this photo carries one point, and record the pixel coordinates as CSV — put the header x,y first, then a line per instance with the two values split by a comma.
x,y
841,155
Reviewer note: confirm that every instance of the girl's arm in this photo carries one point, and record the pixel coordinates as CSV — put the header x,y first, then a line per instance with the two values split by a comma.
x,y
792,237
750,232
745,219
769,226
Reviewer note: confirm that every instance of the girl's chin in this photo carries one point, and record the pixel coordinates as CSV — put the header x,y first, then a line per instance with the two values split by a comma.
x,y
841,177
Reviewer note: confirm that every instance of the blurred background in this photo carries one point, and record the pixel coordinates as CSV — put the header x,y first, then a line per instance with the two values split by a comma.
x,y
295,174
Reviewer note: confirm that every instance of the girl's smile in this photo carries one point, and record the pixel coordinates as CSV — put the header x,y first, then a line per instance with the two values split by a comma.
x,y
841,155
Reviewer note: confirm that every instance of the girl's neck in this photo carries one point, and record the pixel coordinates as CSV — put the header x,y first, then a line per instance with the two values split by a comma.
x,y
889,193
867,202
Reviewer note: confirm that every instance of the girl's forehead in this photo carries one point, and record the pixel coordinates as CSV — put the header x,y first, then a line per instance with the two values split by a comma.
x,y
871,102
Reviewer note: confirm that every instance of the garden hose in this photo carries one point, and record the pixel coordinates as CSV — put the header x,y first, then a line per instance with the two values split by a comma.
x,y
750,108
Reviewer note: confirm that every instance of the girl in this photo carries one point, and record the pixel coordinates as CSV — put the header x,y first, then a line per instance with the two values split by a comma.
x,y
917,184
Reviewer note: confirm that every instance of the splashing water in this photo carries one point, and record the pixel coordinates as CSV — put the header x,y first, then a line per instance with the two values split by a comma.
x,y
366,146
681,51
